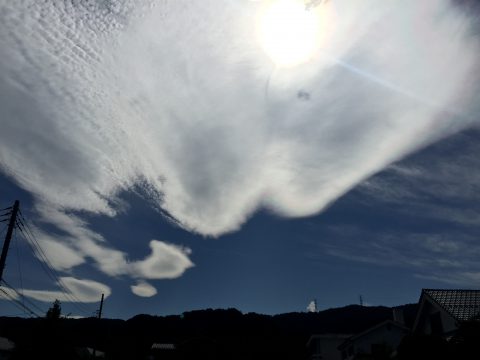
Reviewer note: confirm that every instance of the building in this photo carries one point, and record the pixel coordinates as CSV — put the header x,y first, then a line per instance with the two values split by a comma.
x,y
89,353
441,312
6,348
325,346
378,341
165,351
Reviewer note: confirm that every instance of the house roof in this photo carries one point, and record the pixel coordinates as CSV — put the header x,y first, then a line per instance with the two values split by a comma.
x,y
339,337
158,346
374,328
461,304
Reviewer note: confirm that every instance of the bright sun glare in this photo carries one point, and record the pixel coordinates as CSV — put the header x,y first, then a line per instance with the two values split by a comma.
x,y
289,33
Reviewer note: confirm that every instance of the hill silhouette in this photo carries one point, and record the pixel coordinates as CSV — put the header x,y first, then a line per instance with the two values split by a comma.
x,y
209,334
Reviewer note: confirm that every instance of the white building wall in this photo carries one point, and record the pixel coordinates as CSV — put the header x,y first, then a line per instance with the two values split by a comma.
x,y
325,347
424,326
388,334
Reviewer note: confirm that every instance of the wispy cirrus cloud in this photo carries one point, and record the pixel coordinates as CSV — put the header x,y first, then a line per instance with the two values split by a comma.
x,y
442,182
449,256
438,186
96,98
457,278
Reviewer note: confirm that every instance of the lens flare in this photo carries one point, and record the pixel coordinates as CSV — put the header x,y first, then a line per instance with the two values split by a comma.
x,y
289,33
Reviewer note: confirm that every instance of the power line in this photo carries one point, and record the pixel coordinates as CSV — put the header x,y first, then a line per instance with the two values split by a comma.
x,y
13,300
11,229
23,297
3,230
46,264
38,252
4,215
18,304
48,268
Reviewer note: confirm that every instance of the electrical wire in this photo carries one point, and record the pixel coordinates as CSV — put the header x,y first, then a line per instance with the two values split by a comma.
x,y
49,270
3,230
24,298
5,216
18,304
28,234
19,265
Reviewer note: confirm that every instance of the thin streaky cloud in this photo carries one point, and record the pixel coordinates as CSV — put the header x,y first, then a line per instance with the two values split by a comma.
x,y
441,183
79,290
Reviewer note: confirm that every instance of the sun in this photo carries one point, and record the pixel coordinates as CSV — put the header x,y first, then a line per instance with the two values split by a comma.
x,y
289,32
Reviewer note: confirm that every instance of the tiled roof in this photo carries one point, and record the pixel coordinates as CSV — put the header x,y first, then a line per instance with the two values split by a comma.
x,y
461,304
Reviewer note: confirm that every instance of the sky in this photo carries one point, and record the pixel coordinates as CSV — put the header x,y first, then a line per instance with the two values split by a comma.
x,y
181,155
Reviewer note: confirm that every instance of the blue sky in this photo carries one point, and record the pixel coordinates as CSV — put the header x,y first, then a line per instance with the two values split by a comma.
x,y
168,156
419,229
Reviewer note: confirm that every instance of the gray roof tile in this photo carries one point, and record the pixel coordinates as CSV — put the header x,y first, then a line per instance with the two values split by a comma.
x,y
461,304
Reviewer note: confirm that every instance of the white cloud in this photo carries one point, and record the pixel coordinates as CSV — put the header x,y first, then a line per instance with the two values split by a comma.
x,y
167,261
62,256
312,306
75,317
79,290
7,293
184,101
143,289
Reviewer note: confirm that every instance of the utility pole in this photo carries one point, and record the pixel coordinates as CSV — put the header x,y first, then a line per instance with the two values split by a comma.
x,y
8,237
101,307
94,354
361,300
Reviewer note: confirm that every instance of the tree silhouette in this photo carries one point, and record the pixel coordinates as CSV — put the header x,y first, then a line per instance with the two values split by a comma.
x,y
55,311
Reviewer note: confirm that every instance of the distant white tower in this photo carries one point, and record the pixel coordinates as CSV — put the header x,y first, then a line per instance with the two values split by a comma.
x,y
312,307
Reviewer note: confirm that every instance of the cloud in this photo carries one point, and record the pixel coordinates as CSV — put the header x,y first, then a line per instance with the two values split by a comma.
x,y
79,243
312,306
438,186
440,183
143,289
167,261
401,248
7,294
61,255
179,99
75,317
463,278
449,257
79,290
